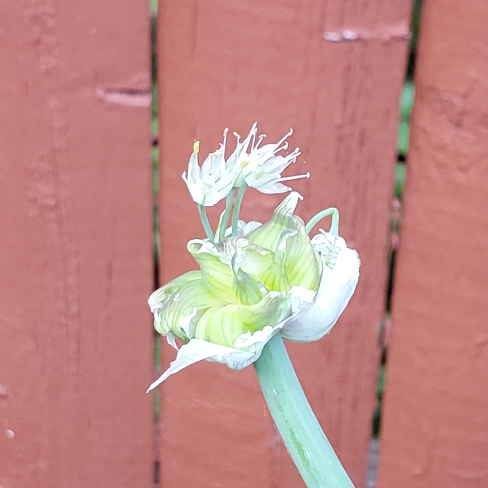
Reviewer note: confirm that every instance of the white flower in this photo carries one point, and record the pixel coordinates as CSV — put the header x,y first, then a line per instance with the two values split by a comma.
x,y
257,166
210,183
261,167
270,278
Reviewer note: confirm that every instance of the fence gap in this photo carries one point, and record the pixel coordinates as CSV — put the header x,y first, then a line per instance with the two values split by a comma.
x,y
406,102
153,16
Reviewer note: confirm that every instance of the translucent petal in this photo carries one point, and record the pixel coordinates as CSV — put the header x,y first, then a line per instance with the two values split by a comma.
x,y
250,348
223,325
197,350
217,275
245,254
275,277
295,263
193,169
246,288
212,164
159,297
243,228
182,309
303,265
274,189
337,286
220,325
268,234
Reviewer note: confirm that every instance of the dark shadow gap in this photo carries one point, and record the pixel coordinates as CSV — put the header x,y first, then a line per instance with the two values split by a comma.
x,y
154,124
407,98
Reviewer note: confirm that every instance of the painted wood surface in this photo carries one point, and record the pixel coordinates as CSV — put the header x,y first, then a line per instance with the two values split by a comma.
x,y
333,71
435,425
75,245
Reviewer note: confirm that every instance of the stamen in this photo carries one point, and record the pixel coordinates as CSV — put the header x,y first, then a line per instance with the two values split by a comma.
x,y
222,147
260,139
286,136
296,177
282,148
253,139
293,155
224,143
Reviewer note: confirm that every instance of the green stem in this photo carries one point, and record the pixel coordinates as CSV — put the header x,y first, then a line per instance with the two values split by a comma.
x,y
304,438
205,222
237,208
334,227
225,218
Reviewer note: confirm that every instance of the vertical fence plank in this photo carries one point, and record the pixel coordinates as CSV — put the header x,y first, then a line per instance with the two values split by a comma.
x,y
284,64
75,246
435,422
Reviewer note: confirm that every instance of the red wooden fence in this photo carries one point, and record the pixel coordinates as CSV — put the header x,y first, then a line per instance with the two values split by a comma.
x,y
435,431
334,72
76,262
75,245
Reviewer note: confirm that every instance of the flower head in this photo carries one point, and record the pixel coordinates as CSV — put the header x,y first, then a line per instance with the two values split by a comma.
x,y
250,164
264,280
210,183
259,166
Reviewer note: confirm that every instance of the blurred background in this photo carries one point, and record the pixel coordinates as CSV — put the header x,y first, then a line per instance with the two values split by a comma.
x,y
101,102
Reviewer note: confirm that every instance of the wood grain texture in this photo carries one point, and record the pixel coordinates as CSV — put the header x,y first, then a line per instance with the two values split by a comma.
x,y
284,64
75,246
435,421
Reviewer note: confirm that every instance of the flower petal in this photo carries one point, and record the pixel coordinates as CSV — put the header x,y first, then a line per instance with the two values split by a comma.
x,y
212,164
296,262
224,325
216,274
243,228
197,350
268,234
161,296
193,352
274,188
184,304
337,286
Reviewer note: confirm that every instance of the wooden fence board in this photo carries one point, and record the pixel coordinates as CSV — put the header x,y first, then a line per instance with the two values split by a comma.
x,y
75,245
333,71
435,425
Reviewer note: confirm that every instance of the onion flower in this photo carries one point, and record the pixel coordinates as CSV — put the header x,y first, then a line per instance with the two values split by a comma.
x,y
258,281
260,167
249,165
210,183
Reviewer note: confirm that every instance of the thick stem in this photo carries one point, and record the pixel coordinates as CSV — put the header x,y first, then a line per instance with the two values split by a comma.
x,y
305,440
